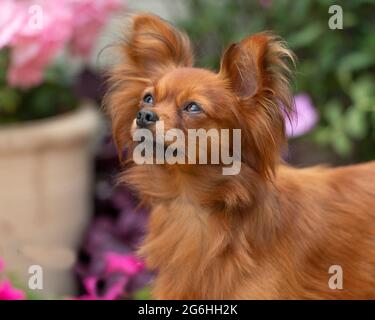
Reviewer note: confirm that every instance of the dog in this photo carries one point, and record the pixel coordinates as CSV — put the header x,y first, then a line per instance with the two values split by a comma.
x,y
270,232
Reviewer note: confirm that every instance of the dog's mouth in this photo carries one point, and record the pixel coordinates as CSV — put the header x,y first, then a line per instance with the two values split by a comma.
x,y
156,146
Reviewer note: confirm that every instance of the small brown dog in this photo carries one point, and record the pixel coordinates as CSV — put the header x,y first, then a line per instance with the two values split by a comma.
x,y
270,232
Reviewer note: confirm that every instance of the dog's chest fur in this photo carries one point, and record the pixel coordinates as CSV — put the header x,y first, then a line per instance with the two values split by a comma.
x,y
198,257
190,252
206,254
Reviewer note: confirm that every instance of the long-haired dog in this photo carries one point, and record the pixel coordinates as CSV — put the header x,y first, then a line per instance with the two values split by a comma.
x,y
269,232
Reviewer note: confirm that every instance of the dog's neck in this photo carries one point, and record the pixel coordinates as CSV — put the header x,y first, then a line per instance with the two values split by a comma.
x,y
205,222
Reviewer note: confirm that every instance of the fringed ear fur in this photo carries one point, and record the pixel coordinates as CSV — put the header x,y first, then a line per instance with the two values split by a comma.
x,y
258,71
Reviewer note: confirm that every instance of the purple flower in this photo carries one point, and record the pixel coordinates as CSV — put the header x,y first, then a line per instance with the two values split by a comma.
x,y
119,269
126,264
113,236
305,118
113,292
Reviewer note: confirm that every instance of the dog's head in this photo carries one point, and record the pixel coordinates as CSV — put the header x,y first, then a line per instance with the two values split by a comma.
x,y
157,81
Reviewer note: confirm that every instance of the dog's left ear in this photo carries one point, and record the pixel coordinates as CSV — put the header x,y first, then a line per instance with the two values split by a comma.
x,y
257,71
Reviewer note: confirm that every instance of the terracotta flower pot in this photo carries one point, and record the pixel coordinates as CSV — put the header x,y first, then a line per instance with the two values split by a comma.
x,y
45,185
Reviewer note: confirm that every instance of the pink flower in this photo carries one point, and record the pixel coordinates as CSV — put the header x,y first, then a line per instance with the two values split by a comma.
x,y
89,20
119,269
305,118
126,264
7,292
11,19
38,30
113,293
35,38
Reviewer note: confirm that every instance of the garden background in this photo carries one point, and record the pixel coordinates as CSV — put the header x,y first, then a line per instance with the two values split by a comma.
x,y
50,73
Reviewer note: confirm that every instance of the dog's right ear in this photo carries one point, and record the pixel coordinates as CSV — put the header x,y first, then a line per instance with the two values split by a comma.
x,y
153,45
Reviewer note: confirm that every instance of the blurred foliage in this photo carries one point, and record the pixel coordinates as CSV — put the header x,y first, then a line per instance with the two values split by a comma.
x,y
335,67
143,294
55,96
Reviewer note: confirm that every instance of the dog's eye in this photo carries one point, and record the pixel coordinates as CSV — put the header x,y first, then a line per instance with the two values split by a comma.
x,y
193,107
148,98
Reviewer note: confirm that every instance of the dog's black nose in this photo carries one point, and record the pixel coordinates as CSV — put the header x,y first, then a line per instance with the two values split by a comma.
x,y
146,118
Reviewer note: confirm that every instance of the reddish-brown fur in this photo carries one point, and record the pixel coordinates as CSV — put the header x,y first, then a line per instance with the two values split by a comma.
x,y
271,232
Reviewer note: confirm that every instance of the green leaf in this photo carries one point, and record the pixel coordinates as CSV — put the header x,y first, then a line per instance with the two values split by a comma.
x,y
333,113
356,61
4,62
362,92
322,135
306,36
356,123
341,143
9,100
345,78
143,294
